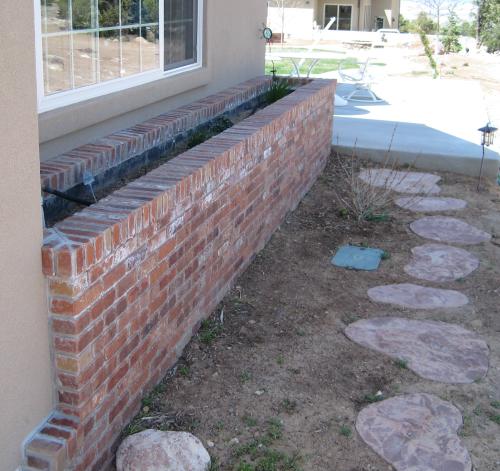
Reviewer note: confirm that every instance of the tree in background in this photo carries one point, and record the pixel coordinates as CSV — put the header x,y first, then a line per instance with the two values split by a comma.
x,y
404,24
488,24
425,23
451,35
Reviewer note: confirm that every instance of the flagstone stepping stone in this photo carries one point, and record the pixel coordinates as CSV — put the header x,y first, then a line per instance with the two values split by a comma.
x,y
448,229
415,432
430,203
402,182
357,258
440,263
417,297
434,350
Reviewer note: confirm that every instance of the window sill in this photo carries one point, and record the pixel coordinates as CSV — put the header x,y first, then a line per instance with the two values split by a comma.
x,y
64,120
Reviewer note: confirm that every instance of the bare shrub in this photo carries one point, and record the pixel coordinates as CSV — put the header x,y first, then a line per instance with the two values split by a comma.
x,y
366,198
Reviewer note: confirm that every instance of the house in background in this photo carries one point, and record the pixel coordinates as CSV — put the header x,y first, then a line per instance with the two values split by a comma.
x,y
300,18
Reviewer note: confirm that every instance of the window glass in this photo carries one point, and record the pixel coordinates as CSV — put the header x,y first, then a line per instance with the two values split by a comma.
x,y
180,32
86,42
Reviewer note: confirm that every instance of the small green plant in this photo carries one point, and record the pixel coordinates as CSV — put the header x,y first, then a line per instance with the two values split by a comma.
x,y
210,329
196,139
401,363
345,431
495,418
371,398
280,359
184,370
386,255
245,376
274,429
220,124
249,421
343,213
279,89
495,404
288,405
214,464
372,217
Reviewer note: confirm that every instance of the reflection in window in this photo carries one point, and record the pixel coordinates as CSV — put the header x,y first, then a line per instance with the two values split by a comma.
x,y
86,42
180,33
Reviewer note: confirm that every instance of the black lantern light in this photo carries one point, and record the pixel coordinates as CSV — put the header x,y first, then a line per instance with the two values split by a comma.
x,y
487,137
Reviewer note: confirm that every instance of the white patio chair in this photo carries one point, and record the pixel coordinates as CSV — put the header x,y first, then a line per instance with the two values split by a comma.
x,y
362,81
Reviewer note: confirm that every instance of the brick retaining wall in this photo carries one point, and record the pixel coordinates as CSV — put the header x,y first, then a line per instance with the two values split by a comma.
x,y
131,277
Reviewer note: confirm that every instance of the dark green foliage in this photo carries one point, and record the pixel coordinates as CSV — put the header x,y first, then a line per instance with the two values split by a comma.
x,y
279,89
451,35
488,24
425,23
197,138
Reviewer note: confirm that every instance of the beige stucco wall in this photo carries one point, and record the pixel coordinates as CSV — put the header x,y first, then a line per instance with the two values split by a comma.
x,y
25,387
233,52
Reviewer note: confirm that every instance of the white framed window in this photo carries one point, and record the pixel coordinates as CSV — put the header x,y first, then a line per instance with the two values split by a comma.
x,y
88,48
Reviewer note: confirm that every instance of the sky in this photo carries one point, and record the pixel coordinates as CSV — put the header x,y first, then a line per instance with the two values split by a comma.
x,y
411,8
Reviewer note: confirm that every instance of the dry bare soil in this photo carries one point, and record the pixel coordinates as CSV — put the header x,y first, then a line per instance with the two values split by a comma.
x,y
277,386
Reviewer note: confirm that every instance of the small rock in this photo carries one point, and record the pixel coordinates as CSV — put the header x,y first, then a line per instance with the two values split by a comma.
x,y
251,321
210,444
153,450
234,441
259,392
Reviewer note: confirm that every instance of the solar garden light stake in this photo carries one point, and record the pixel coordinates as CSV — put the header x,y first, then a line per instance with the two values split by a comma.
x,y
487,137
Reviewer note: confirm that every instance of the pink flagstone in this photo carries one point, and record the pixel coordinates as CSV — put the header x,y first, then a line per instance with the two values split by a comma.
x,y
401,181
417,297
449,230
430,203
434,350
440,263
415,432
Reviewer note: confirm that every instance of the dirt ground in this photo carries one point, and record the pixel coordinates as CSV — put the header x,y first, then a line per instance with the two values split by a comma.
x,y
277,385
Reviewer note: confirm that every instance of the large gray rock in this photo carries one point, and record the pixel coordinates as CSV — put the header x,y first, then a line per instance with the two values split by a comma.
x,y
430,203
154,450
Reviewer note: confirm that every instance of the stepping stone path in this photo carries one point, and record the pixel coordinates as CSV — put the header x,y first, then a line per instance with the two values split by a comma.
x,y
417,297
450,230
416,432
430,203
434,350
440,263
402,182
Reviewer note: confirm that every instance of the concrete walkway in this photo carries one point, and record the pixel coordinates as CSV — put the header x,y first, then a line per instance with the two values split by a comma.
x,y
432,123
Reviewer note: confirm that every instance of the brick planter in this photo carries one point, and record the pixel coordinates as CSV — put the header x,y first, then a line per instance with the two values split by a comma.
x,y
131,277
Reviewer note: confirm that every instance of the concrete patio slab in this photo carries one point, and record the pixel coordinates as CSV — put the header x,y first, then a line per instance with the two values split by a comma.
x,y
432,123
415,432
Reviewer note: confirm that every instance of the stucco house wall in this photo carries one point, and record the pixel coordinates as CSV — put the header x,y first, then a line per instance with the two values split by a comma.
x,y
231,33
26,384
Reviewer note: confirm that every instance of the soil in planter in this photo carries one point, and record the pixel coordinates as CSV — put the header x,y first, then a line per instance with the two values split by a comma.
x,y
56,209
273,367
